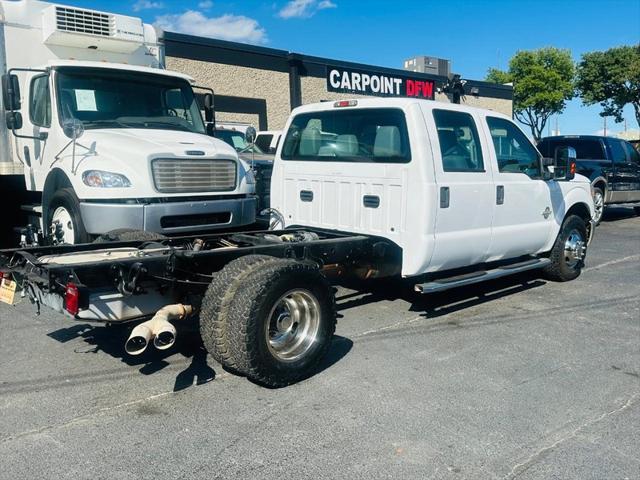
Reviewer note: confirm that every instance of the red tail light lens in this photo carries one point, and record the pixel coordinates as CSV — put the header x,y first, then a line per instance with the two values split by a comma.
x,y
72,298
345,103
572,168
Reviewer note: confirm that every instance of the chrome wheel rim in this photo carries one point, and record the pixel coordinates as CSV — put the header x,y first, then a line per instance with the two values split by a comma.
x,y
293,325
598,204
62,226
575,249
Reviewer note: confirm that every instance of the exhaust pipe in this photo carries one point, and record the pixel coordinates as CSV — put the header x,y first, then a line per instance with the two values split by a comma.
x,y
158,328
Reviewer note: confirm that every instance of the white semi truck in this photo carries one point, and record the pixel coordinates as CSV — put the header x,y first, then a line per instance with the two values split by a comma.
x,y
98,136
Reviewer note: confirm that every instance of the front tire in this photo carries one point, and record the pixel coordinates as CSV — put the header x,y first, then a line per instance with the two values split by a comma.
x,y
65,222
569,251
281,323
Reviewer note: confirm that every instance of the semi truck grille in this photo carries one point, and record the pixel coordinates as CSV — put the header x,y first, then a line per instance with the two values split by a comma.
x,y
83,21
178,175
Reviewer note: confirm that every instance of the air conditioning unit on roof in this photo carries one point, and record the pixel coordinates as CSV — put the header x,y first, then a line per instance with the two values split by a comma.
x,y
81,28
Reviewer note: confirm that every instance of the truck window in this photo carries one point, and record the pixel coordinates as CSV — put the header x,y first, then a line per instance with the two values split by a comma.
x,y
586,148
618,154
264,142
104,98
459,143
514,151
40,101
377,135
632,153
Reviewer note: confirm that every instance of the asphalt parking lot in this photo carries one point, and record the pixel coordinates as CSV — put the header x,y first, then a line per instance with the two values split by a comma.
x,y
514,379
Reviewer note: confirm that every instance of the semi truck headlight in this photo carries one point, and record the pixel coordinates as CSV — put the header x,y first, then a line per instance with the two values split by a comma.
x,y
98,178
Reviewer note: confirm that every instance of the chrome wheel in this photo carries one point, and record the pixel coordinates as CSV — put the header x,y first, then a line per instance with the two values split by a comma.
x,y
293,325
575,248
62,226
598,204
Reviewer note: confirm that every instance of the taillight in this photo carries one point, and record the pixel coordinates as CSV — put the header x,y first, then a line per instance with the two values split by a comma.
x,y
72,298
572,168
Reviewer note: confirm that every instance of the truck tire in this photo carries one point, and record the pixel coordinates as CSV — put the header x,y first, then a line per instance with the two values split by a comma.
x,y
216,301
64,210
598,203
569,250
281,322
128,235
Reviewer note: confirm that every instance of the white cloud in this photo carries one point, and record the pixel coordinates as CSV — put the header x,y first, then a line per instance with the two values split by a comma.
x,y
236,28
146,5
304,8
205,4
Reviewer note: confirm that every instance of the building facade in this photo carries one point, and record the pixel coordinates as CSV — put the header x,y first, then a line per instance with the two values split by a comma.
x,y
260,86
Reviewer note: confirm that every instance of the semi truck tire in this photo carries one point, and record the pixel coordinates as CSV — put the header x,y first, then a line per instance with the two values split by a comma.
x,y
64,210
281,322
216,302
569,250
128,235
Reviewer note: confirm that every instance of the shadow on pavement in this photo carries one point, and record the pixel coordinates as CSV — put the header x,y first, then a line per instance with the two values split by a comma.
x,y
437,304
613,214
111,340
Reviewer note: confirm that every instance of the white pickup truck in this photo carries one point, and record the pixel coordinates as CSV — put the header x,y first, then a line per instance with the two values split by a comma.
x,y
443,194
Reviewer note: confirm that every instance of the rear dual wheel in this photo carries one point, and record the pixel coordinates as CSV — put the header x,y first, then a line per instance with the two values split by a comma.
x,y
273,323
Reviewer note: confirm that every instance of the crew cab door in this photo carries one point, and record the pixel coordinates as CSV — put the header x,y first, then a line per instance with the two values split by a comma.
x,y
625,186
466,193
523,218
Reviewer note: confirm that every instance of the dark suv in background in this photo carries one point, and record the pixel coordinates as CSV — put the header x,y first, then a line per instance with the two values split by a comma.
x,y
612,165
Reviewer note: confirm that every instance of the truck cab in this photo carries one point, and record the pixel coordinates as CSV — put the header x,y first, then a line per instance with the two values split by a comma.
x,y
611,164
452,186
108,138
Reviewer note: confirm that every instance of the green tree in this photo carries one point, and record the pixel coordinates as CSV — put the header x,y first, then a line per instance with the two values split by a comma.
x,y
543,82
612,79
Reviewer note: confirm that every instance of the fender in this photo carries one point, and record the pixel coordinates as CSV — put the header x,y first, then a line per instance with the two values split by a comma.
x,y
574,195
56,179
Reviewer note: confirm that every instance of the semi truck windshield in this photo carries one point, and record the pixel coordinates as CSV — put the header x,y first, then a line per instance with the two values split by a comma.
x,y
103,98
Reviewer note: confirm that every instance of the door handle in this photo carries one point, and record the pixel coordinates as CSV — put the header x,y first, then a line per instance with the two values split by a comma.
x,y
371,201
444,197
306,195
500,195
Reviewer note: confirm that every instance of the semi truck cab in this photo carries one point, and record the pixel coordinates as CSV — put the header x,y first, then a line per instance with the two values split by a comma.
x,y
109,138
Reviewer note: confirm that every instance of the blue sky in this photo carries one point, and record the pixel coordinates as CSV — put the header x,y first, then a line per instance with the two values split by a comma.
x,y
475,35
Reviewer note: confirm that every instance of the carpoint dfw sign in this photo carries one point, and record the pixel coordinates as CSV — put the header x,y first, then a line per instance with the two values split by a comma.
x,y
345,80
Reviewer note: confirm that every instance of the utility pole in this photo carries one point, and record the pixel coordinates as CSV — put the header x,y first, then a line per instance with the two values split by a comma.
x,y
605,126
557,131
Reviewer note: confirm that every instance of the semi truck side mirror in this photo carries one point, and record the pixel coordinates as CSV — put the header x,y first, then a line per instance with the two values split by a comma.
x,y
14,120
209,112
565,163
10,92
250,135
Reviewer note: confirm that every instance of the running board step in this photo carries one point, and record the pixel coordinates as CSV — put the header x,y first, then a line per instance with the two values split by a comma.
x,y
481,276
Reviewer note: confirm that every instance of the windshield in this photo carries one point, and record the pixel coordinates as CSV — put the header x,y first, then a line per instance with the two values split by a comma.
x,y
236,139
102,98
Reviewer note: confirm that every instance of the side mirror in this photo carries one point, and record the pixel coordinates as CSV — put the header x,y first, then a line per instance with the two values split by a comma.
x,y
250,135
565,163
209,116
14,120
10,92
